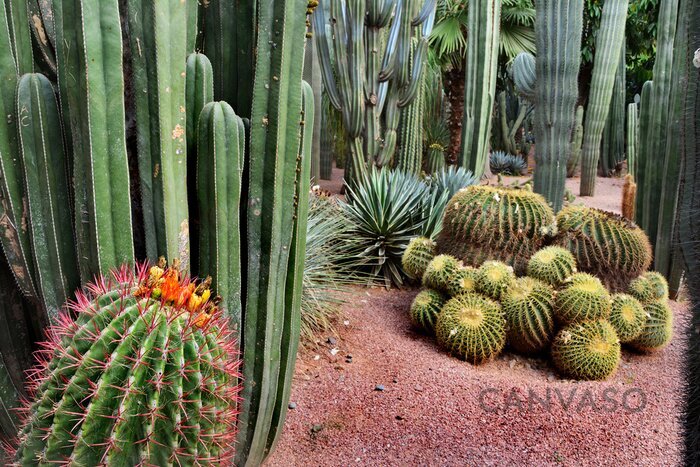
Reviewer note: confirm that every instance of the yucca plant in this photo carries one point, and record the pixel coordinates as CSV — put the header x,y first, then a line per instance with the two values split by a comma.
x,y
386,209
507,164
329,269
452,179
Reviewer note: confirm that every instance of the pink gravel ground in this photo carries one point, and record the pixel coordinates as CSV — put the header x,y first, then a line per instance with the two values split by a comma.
x,y
437,410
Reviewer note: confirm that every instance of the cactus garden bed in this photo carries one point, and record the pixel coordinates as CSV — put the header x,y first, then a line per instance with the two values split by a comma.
x,y
381,393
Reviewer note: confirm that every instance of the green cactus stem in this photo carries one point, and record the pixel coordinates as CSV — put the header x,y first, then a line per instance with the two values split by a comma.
x,y
611,35
47,193
481,68
524,75
612,148
91,83
632,139
576,142
558,38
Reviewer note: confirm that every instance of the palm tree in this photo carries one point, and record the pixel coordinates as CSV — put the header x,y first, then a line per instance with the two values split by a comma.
x,y
449,43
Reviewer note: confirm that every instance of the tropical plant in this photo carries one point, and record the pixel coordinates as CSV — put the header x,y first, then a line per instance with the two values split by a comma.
x,y
507,164
386,209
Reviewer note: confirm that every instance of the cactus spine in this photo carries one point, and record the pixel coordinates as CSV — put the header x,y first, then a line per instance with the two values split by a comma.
x,y
558,37
47,192
221,145
268,341
611,36
632,139
15,240
91,81
159,45
481,67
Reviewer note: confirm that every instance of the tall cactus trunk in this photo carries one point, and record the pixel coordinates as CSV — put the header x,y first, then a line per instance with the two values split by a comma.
x,y
326,140
611,36
612,151
632,139
410,153
47,193
654,133
158,45
91,82
312,75
689,225
272,185
576,143
641,160
14,239
558,35
484,25
21,40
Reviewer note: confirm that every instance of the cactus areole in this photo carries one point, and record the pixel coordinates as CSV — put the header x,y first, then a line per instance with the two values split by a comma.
x,y
140,370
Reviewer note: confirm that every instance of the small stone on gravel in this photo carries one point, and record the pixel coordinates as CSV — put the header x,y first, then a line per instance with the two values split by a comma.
x,y
379,387
292,405
332,340
316,428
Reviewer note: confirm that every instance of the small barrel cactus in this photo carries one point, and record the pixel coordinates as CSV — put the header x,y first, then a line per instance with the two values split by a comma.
x,y
471,327
552,265
440,271
627,316
604,244
147,373
419,252
649,287
485,222
463,281
529,310
588,350
493,278
658,328
583,298
425,309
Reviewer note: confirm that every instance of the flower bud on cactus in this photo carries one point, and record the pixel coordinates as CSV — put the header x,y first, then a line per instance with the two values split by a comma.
x,y
462,281
425,309
627,316
419,252
584,298
658,329
493,278
529,309
485,222
439,272
146,374
552,265
604,244
471,327
649,287
588,350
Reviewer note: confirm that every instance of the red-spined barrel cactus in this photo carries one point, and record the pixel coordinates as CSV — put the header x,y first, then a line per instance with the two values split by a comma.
x,y
140,370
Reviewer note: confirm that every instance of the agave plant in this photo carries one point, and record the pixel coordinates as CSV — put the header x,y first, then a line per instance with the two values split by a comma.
x,y
329,268
507,164
386,209
451,179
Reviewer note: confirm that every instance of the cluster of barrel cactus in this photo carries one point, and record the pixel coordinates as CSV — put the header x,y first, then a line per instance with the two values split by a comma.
x,y
130,146
475,312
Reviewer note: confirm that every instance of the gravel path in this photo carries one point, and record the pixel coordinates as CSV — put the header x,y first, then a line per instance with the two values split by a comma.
x,y
437,410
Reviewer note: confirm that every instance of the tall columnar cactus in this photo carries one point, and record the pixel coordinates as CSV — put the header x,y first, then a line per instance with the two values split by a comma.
x,y
220,152
641,161
576,143
654,122
481,66
689,224
230,30
14,239
368,77
632,139
47,193
312,75
558,37
326,140
409,157
612,150
525,75
611,36
158,46
274,179
21,41
91,82
147,373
